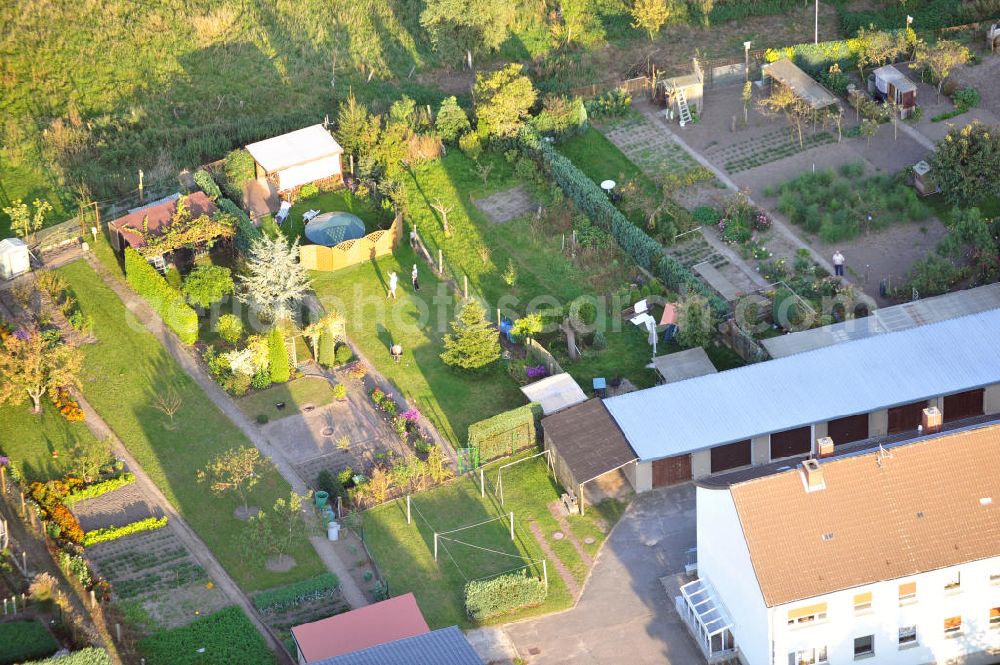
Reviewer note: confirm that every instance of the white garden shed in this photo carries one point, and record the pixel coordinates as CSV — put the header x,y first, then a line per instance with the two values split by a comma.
x,y
298,158
14,258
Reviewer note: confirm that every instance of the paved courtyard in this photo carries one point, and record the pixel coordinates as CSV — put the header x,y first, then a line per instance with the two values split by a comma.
x,y
624,614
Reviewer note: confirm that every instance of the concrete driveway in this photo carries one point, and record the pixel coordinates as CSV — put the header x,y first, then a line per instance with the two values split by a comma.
x,y
624,614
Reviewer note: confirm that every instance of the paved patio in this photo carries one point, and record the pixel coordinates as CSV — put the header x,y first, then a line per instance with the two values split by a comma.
x,y
624,606
507,205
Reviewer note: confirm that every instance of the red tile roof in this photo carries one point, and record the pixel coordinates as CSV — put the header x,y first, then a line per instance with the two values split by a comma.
x,y
387,621
159,215
883,515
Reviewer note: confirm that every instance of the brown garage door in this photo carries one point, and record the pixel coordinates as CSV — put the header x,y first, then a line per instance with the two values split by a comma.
x,y
791,442
906,417
851,428
730,456
671,470
963,405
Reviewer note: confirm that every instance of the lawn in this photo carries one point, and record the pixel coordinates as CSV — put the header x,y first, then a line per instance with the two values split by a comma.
x,y
295,394
123,372
217,639
405,552
452,399
29,440
329,201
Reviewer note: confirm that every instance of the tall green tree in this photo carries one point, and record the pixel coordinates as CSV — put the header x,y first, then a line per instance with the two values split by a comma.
x,y
463,27
277,356
24,222
274,282
236,470
30,367
967,163
473,344
503,100
451,121
652,15
352,123
939,59
695,324
580,23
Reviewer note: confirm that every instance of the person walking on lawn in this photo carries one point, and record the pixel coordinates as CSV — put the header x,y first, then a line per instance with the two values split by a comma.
x,y
838,264
413,278
393,281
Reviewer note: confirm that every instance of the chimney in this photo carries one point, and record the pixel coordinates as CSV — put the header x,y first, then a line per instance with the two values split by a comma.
x,y
812,476
931,420
824,446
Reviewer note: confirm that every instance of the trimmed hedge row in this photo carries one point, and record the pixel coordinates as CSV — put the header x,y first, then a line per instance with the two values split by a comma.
x,y
97,489
163,298
816,59
204,179
115,532
313,588
644,250
246,232
88,656
506,433
485,599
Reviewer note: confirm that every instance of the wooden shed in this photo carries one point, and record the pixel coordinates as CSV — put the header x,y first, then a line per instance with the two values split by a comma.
x,y
890,83
297,158
682,95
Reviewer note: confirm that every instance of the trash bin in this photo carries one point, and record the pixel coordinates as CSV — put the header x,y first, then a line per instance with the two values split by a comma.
x,y
333,531
321,498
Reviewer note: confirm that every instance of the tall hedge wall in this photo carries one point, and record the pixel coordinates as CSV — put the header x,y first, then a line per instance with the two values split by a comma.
x,y
634,241
485,599
246,232
163,298
506,433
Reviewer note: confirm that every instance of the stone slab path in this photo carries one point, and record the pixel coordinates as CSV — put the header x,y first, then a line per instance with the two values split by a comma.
x,y
507,205
186,359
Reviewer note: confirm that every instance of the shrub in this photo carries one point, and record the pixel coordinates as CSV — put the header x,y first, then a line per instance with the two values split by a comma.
x,y
561,116
966,98
344,354
506,433
262,418
246,232
88,656
206,285
277,354
75,565
313,588
485,599
237,384
230,328
707,215
261,380
227,635
451,121
164,299
613,103
21,640
99,488
308,190
204,179
471,145
933,275
340,392
238,167
327,345
115,532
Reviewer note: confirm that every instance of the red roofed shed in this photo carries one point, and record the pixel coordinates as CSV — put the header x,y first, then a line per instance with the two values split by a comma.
x,y
387,621
158,214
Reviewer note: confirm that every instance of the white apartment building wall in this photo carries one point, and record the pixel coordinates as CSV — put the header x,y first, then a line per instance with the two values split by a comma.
x,y
764,636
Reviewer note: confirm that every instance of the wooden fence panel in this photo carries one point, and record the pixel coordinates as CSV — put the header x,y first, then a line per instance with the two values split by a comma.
x,y
352,252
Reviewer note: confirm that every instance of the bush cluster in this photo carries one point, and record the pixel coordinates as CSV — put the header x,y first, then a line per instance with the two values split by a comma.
x,y
204,179
163,298
99,488
246,232
21,640
291,595
115,532
485,599
506,433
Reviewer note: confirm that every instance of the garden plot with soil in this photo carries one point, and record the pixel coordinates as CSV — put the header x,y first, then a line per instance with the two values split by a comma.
x,y
156,581
120,507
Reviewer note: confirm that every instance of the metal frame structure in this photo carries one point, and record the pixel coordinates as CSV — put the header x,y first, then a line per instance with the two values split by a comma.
x,y
707,620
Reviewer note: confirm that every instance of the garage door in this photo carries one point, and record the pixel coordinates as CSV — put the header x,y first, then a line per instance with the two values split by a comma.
x,y
963,405
671,470
791,442
906,417
851,428
730,456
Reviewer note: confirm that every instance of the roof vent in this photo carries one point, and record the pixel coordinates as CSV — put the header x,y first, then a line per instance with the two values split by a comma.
x,y
824,446
812,476
986,501
931,420
828,536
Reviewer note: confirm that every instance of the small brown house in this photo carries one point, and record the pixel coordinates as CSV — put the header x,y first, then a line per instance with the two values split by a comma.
x,y
892,84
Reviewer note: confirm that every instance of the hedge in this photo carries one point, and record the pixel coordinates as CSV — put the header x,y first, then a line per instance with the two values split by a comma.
x,y
88,656
163,298
313,588
99,488
816,59
246,232
485,599
115,532
21,640
506,433
204,179
594,202
226,637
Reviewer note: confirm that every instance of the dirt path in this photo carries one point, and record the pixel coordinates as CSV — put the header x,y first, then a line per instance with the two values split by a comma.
x,y
557,513
352,594
185,534
567,577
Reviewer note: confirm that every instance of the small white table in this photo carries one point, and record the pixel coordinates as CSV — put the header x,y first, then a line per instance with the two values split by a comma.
x,y
608,185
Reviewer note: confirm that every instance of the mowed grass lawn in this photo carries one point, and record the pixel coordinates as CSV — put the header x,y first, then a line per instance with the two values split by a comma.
x,y
451,398
29,440
295,394
405,552
123,372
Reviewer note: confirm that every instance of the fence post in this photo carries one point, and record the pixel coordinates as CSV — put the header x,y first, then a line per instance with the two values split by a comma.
x,y
407,508
435,546
482,482
545,574
440,262
512,525
465,279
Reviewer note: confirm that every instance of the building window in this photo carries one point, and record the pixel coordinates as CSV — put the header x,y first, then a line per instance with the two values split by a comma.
x,y
808,657
862,601
995,617
907,593
954,583
864,647
907,636
953,625
807,614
